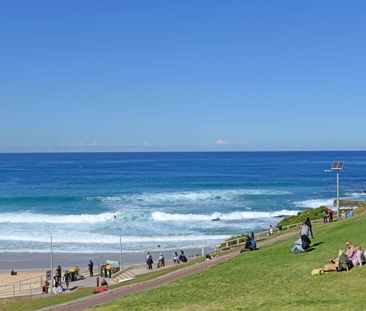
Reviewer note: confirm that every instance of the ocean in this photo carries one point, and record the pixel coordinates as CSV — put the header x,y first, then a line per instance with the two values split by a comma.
x,y
160,200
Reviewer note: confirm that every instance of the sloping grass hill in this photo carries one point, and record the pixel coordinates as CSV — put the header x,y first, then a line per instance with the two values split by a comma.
x,y
268,279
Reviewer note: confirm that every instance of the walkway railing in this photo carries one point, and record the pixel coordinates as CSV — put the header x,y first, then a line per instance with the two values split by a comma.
x,y
31,286
28,287
240,240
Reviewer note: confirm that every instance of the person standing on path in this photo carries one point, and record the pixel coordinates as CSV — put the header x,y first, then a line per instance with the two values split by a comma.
x,y
91,266
330,213
67,279
58,275
149,261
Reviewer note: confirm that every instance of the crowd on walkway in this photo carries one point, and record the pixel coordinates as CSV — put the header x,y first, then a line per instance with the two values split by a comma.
x,y
60,282
177,259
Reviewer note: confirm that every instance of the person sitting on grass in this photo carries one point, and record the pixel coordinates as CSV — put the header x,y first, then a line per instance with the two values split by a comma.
x,y
358,257
350,249
297,248
104,282
250,244
301,245
343,262
350,212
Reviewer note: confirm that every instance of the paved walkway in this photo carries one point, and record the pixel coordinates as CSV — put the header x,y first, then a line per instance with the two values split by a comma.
x,y
97,299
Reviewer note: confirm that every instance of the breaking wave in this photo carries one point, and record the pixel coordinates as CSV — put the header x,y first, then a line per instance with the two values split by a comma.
x,y
162,216
112,239
314,203
187,196
55,219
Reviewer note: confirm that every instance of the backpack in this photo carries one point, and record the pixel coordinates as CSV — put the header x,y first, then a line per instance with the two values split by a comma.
x,y
305,242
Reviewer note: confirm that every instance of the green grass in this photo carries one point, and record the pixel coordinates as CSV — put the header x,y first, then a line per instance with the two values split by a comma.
x,y
38,302
268,279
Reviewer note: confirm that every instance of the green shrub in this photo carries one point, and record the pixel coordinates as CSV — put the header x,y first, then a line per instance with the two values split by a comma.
x,y
313,214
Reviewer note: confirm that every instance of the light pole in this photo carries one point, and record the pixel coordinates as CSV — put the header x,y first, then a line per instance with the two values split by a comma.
x,y
337,166
51,263
120,246
120,243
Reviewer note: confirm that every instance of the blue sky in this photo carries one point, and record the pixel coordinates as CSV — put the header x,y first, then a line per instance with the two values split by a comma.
x,y
182,75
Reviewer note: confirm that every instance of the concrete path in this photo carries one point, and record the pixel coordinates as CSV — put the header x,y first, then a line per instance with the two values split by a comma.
x,y
97,299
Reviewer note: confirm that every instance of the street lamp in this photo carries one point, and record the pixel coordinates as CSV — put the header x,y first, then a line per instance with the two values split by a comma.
x,y
120,243
51,280
337,166
120,246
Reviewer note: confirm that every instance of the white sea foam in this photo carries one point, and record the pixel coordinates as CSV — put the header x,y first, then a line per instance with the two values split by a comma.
x,y
27,217
356,194
187,196
162,216
314,203
111,239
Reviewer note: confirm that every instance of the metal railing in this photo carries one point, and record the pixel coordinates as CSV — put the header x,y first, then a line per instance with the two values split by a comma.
x,y
240,240
31,286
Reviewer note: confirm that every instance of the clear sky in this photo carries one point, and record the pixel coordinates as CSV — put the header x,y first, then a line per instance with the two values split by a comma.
x,y
182,75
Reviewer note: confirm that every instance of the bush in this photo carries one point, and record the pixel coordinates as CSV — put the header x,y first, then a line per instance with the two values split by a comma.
x,y
313,214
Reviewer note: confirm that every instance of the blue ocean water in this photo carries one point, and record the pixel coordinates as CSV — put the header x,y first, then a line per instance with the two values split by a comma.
x,y
84,200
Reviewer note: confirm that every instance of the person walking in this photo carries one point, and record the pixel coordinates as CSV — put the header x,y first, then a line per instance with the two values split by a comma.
x,y
67,279
161,262
270,230
149,261
176,258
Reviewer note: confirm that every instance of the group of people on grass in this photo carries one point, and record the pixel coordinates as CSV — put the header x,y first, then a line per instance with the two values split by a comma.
x,y
177,259
327,215
352,256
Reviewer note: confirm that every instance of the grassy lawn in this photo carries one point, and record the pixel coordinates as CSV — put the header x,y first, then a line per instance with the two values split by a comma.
x,y
38,302
267,279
